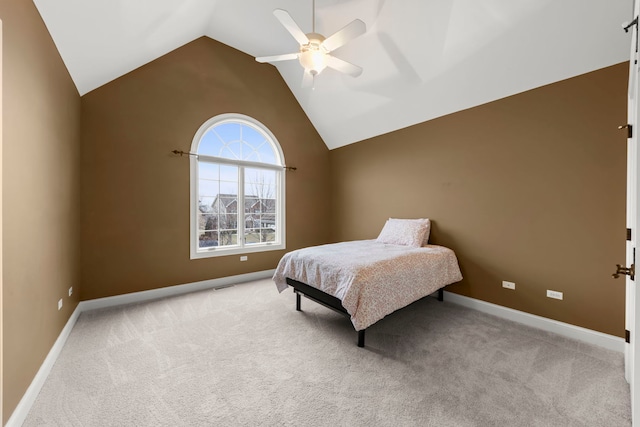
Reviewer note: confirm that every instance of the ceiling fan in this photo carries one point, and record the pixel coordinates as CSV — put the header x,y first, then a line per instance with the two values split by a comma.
x,y
315,50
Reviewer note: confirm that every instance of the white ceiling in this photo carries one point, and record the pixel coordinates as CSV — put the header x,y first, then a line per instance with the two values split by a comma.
x,y
421,59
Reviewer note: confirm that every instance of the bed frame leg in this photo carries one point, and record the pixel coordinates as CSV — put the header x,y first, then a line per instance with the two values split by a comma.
x,y
298,302
441,294
361,338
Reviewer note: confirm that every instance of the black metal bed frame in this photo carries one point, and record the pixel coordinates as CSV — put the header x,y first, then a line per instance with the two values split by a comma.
x,y
329,301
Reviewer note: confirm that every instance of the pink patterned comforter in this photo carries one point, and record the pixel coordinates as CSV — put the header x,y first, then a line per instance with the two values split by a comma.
x,y
371,279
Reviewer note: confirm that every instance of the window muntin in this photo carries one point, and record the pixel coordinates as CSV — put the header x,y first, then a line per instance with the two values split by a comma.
x,y
237,188
238,141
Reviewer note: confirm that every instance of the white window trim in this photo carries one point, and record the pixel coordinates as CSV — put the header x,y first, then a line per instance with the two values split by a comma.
x,y
195,251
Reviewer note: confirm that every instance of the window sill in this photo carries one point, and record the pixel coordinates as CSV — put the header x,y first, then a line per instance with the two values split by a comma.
x,y
212,253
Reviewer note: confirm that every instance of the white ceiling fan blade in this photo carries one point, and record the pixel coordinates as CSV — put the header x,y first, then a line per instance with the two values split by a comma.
x,y
352,30
343,66
287,21
275,58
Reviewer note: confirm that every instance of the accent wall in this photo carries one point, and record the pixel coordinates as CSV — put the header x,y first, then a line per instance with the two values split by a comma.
x,y
135,192
529,189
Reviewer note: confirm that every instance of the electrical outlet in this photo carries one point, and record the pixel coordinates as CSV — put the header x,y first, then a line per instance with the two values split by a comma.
x,y
508,285
59,303
243,258
71,291
554,294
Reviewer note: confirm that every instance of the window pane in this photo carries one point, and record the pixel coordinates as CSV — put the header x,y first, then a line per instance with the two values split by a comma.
x,y
229,131
208,239
208,170
229,188
211,144
260,205
206,204
252,140
208,222
229,173
259,176
269,219
218,205
228,237
269,205
250,154
252,237
260,235
260,182
267,154
269,236
230,221
232,150
256,147
208,188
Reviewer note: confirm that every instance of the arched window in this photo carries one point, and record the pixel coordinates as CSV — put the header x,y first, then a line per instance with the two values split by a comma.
x,y
237,188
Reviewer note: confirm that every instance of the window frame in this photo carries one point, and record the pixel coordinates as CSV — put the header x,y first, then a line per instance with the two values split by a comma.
x,y
241,248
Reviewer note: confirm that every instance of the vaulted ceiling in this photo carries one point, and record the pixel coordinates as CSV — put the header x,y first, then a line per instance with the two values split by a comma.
x,y
421,58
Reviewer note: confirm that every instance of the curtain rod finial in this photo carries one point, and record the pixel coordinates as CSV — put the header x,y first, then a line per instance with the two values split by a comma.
x,y
184,153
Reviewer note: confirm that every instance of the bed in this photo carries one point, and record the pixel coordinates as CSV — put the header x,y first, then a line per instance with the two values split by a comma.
x,y
370,279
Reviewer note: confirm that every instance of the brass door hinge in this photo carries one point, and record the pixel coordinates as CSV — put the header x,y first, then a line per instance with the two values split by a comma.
x,y
630,271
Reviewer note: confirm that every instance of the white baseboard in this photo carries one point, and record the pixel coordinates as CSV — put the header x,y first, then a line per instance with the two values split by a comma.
x,y
173,290
565,329
24,406
21,412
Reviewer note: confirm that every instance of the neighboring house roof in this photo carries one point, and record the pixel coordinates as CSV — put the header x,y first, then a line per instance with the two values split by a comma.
x,y
226,203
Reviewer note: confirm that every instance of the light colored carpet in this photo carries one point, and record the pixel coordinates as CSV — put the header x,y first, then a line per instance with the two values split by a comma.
x,y
243,356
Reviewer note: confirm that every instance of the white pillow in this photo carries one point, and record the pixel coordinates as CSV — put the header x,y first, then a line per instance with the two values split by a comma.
x,y
403,232
426,224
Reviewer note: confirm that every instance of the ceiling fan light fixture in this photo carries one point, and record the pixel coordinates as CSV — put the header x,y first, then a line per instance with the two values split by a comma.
x,y
313,57
313,61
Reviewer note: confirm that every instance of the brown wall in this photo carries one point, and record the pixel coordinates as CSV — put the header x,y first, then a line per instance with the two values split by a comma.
x,y
529,189
41,125
135,193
